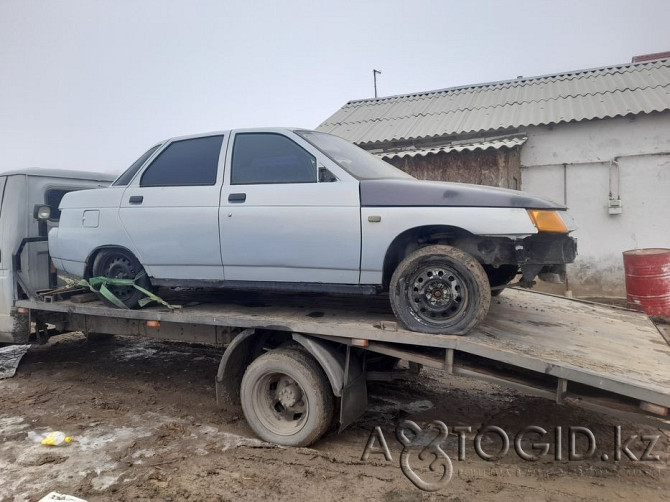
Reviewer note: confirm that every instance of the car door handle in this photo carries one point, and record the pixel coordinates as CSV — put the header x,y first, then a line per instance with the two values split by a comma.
x,y
237,197
135,199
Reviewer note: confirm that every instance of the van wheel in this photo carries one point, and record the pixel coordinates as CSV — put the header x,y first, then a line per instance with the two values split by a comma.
x,y
120,264
286,398
440,290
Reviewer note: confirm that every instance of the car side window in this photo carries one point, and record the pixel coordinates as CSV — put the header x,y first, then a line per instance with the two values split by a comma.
x,y
129,173
188,162
260,158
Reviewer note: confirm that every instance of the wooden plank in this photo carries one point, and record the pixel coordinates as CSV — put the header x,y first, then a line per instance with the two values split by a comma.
x,y
84,298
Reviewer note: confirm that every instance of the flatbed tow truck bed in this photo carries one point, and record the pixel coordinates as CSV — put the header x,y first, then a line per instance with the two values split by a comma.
x,y
602,358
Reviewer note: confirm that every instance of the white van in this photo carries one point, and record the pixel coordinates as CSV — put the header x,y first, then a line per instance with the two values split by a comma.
x,y
24,257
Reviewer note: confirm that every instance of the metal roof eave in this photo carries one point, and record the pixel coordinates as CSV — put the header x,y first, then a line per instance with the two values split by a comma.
x,y
494,143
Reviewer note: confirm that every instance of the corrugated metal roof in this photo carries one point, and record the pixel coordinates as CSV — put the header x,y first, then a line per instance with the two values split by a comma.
x,y
495,143
579,95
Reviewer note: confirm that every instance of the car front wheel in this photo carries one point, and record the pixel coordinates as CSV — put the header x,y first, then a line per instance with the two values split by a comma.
x,y
440,290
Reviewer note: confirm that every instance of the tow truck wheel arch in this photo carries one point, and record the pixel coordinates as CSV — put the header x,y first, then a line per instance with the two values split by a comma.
x,y
343,365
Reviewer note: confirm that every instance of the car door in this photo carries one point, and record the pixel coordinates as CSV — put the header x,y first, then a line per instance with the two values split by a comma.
x,y
171,210
279,221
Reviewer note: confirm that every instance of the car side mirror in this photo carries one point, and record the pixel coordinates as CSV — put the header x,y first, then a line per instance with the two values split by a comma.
x,y
41,212
325,176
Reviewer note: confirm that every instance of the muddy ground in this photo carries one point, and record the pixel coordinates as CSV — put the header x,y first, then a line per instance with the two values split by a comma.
x,y
147,427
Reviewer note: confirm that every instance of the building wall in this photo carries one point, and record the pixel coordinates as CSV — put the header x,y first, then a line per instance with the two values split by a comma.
x,y
641,147
499,168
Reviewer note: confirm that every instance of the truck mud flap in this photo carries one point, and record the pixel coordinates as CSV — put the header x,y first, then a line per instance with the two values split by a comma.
x,y
346,373
234,362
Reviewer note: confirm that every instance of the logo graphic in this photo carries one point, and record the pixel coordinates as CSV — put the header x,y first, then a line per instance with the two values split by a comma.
x,y
425,444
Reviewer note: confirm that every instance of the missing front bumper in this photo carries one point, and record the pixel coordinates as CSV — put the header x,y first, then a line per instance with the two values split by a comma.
x,y
545,256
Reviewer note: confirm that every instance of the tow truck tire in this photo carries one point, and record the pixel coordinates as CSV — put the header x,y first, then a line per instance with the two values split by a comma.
x,y
120,264
440,290
286,398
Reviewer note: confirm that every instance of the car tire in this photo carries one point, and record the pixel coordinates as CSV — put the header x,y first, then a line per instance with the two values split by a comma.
x,y
440,290
287,398
120,264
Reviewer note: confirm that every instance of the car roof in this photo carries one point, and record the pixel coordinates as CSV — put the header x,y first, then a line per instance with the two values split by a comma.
x,y
61,173
230,131
106,177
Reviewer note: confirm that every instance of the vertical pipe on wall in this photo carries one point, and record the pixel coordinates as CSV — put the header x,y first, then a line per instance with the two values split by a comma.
x,y
565,184
615,180
568,292
614,201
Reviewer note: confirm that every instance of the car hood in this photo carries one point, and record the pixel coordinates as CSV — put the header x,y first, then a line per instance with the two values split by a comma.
x,y
416,193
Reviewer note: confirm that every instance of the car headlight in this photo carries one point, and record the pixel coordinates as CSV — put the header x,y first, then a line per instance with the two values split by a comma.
x,y
547,221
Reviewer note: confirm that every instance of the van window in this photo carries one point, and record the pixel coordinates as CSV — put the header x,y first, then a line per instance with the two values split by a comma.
x,y
270,158
52,198
188,162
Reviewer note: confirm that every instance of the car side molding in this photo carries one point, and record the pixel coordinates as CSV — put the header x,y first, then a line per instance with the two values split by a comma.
x,y
296,287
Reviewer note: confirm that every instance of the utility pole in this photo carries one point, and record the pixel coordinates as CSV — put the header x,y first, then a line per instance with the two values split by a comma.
x,y
374,77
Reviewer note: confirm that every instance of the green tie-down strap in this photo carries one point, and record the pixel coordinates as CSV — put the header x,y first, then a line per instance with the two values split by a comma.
x,y
100,285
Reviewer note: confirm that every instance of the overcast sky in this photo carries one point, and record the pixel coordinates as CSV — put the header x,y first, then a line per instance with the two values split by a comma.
x,y
92,84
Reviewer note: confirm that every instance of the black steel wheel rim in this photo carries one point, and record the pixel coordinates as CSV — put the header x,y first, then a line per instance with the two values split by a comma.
x,y
120,267
437,294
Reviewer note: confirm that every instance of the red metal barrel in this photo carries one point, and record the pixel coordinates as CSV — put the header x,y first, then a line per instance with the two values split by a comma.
x,y
648,280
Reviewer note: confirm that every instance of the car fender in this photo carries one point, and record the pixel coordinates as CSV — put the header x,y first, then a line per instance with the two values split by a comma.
x,y
89,221
381,225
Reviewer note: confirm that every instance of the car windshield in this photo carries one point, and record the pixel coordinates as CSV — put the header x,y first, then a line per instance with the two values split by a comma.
x,y
361,164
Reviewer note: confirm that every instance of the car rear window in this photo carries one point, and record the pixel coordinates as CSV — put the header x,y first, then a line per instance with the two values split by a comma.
x,y
188,162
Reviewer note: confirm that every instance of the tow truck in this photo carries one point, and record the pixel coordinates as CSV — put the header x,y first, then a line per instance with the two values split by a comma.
x,y
298,364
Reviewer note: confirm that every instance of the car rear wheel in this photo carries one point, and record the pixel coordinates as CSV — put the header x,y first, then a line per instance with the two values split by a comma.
x,y
440,290
121,264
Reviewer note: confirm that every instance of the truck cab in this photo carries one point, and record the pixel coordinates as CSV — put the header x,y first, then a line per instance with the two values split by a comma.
x,y
25,264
